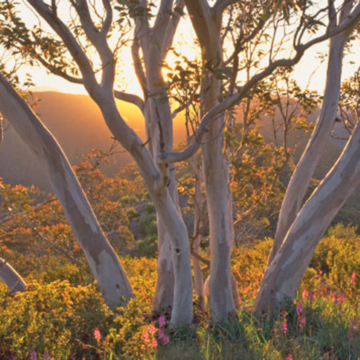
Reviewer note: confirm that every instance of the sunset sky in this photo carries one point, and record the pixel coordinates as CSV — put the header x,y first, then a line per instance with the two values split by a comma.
x,y
184,44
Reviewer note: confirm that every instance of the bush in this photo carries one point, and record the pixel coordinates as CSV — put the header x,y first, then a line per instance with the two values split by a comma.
x,y
148,225
54,318
148,247
129,199
150,208
132,213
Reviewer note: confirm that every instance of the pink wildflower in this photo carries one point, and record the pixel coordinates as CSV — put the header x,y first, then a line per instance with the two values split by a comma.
x,y
47,356
305,294
97,335
161,333
312,297
146,336
289,357
12,357
154,343
275,330
162,321
33,355
165,339
340,299
72,357
353,278
152,329
284,327
302,321
299,308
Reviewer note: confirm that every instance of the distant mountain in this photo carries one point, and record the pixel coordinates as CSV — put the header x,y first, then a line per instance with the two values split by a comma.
x,y
76,122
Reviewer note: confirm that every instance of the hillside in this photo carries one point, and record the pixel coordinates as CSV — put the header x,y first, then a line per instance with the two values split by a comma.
x,y
77,124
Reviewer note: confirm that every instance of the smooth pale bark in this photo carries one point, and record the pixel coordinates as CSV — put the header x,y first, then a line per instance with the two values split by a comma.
x,y
198,224
168,212
101,257
215,171
154,43
305,169
234,288
160,133
1,131
11,278
283,276
216,188
164,291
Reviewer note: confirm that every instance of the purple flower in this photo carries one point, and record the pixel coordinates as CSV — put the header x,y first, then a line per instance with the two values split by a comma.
x,y
165,339
162,321
33,355
161,333
302,322
47,356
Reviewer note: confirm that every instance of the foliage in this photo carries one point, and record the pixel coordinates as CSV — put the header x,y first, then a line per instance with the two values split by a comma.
x,y
67,320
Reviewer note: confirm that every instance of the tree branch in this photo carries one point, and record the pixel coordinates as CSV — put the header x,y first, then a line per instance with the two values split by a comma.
x,y
130,98
70,42
171,27
98,38
167,158
11,278
221,5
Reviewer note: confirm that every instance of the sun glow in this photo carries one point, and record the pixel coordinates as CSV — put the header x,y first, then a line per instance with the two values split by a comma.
x,y
184,44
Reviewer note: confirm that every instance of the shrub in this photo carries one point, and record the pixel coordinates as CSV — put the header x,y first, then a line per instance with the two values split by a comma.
x,y
150,208
129,199
54,318
148,246
148,225
132,213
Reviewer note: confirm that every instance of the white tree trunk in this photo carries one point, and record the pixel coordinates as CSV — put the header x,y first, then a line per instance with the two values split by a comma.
x,y
161,139
208,28
101,257
167,210
11,278
216,188
305,169
198,224
283,276
159,125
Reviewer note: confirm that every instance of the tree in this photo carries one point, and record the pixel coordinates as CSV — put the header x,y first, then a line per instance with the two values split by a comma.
x,y
299,231
156,178
11,278
207,22
66,53
101,257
